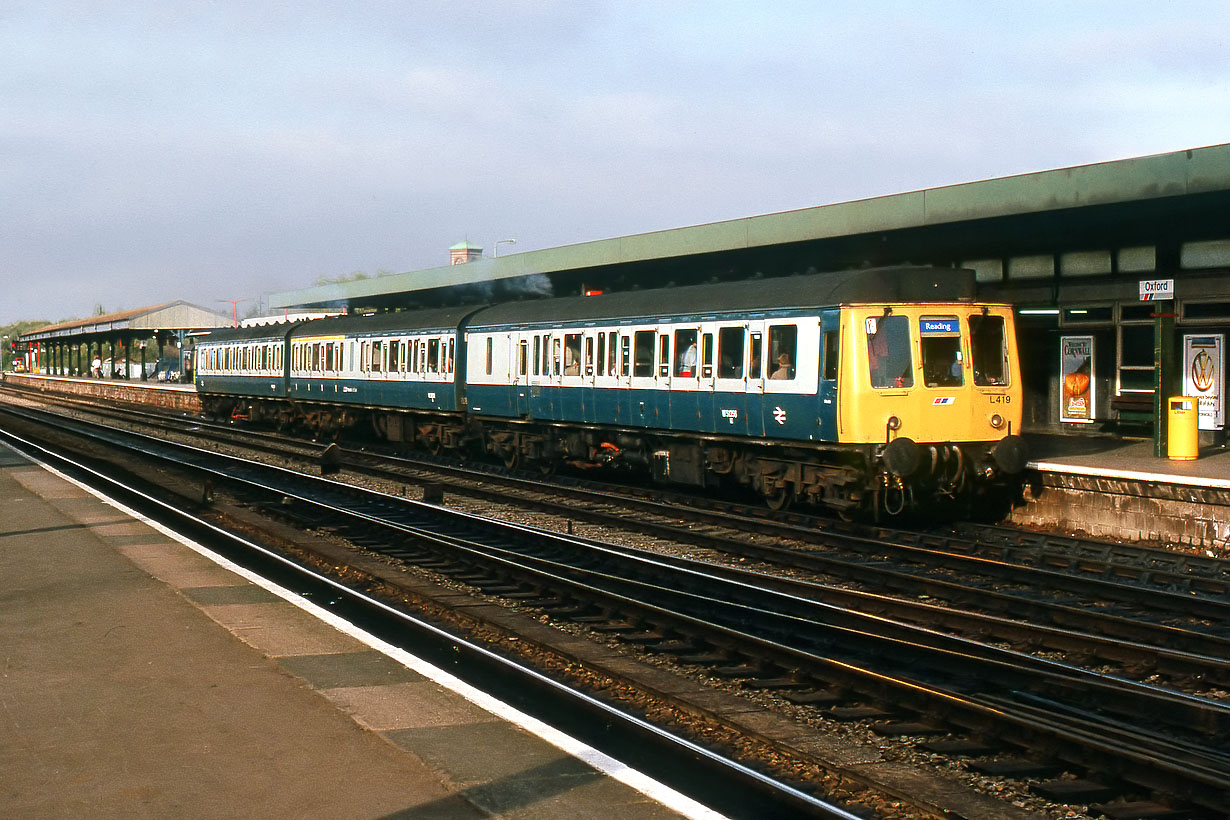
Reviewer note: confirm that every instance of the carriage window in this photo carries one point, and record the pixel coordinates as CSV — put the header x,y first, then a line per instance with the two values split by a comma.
x,y
377,356
664,355
685,348
625,354
433,355
572,354
601,354
753,367
546,355
730,353
782,341
989,349
537,353
450,365
555,357
490,349
706,355
830,354
589,355
328,357
522,364
888,351
643,363
394,355
940,344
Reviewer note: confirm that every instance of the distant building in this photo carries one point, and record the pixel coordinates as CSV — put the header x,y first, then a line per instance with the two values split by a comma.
x,y
464,252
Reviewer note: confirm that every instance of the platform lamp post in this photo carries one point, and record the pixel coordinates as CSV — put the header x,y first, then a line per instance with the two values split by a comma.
x,y
495,251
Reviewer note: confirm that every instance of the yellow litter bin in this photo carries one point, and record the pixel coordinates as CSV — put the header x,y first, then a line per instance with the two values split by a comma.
x,y
1183,431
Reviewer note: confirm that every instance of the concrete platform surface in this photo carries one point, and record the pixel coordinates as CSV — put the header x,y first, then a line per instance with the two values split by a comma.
x,y
1134,458
140,679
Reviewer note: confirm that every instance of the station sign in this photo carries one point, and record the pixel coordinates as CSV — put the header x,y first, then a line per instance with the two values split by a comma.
x,y
1076,379
1155,290
1204,370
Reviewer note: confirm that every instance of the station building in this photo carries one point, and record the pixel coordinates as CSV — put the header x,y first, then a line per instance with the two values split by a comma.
x,y
1120,273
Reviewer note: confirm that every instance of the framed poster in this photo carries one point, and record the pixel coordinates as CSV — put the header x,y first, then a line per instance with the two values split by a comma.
x,y
1204,367
1076,379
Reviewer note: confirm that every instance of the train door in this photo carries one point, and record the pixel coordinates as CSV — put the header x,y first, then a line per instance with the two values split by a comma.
x,y
753,390
707,381
830,359
643,381
730,381
522,365
682,377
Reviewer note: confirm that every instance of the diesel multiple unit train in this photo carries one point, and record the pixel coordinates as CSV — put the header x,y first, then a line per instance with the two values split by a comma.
x,y
870,392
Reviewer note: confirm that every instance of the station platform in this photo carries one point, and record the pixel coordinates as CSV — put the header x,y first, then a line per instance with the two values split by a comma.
x,y
140,678
1116,488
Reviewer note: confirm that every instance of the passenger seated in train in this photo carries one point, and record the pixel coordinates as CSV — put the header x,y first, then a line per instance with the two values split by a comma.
x,y
782,371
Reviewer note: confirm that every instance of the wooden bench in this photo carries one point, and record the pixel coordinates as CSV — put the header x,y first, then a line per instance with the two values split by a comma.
x,y
1134,403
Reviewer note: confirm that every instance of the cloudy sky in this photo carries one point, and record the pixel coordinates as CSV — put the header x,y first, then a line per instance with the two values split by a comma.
x,y
209,151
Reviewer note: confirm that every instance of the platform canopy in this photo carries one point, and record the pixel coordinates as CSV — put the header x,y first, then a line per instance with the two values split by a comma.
x,y
143,321
1126,217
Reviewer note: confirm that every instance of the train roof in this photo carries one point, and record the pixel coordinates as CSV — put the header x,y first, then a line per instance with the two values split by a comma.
x,y
433,319
871,285
256,333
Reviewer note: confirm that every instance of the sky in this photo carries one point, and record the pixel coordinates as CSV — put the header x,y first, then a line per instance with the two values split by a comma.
x,y
226,150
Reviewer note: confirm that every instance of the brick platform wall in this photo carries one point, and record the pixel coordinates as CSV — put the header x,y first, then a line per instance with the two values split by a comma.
x,y
1125,510
174,397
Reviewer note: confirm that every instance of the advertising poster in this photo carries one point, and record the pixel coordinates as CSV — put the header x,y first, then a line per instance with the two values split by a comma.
x,y
1076,379
1204,365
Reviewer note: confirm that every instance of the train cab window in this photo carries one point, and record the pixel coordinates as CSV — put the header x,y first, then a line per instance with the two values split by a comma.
x,y
989,350
888,351
940,344
642,366
783,340
572,354
829,363
685,348
730,353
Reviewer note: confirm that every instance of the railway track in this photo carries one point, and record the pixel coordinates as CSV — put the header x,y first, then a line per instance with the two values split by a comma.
x,y
786,637
1093,613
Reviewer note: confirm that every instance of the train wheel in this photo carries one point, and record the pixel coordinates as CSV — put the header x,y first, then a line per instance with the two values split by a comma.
x,y
779,500
511,458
